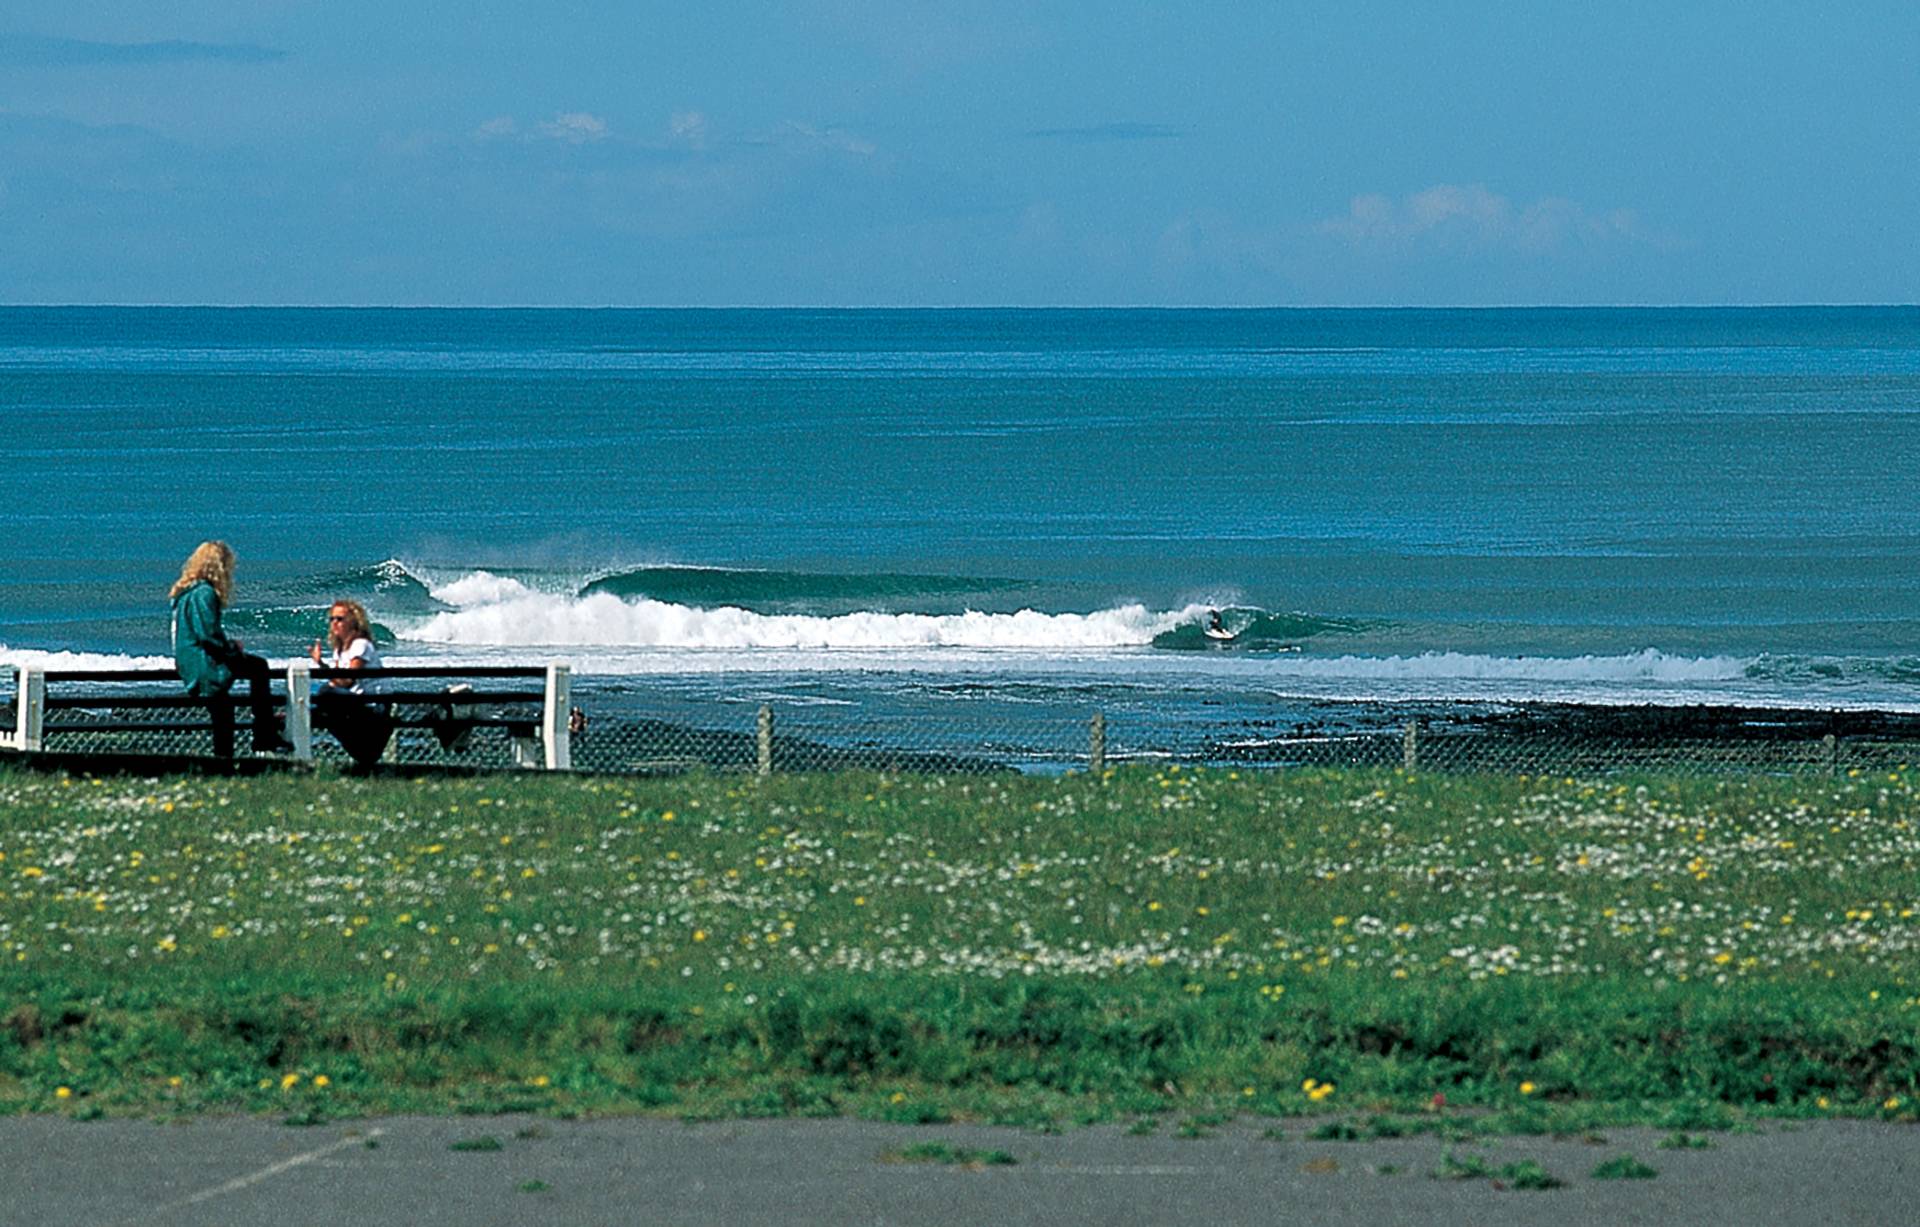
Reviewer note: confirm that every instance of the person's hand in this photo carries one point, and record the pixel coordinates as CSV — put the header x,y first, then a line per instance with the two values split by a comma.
x,y
315,653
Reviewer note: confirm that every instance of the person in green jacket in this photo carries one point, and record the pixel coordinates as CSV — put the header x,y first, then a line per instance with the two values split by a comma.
x,y
209,660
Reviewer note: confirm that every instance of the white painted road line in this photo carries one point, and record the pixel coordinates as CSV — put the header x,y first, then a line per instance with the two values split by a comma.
x,y
270,1171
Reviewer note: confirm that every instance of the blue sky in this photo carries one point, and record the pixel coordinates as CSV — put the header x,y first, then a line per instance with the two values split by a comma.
x,y
867,153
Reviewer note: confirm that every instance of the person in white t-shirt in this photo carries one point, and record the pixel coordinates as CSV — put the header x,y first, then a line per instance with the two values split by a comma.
x,y
350,637
340,703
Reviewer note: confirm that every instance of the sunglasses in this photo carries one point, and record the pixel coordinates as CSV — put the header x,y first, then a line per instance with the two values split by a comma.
x,y
336,617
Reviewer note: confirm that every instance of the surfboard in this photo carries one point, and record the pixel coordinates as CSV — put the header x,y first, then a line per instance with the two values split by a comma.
x,y
1221,634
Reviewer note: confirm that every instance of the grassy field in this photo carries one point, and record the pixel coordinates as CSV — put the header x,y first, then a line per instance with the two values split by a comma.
x,y
1520,953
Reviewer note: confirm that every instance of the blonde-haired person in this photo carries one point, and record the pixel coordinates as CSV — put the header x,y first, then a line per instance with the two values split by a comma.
x,y
340,704
349,641
208,659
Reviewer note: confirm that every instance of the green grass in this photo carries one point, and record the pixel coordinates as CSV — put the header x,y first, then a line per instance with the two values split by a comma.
x,y
1623,1167
948,1154
1335,1131
1551,955
1454,1166
1527,1174
483,1143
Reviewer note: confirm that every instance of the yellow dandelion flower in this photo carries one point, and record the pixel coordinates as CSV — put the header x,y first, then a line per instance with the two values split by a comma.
x,y
63,1092
699,935
289,1081
1526,1088
322,1081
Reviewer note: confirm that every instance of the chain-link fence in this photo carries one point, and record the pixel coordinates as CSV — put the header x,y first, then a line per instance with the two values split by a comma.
x,y
533,718
635,732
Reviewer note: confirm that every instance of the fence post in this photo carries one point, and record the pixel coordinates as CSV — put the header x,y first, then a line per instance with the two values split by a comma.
x,y
1410,746
29,702
1832,745
764,740
555,734
300,710
1097,744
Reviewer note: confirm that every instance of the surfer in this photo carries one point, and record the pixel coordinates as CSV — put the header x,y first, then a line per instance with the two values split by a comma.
x,y
1217,629
209,660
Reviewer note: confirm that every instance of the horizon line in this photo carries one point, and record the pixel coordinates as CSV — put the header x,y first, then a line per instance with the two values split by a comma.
x,y
1516,306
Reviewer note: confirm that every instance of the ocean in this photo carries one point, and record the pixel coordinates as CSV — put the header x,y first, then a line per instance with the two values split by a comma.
x,y
987,514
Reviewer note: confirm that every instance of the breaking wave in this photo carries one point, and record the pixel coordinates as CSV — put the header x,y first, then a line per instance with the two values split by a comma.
x,y
490,610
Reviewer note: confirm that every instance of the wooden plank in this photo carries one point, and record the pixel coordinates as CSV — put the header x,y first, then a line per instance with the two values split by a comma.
x,y
146,702
453,671
168,675
188,701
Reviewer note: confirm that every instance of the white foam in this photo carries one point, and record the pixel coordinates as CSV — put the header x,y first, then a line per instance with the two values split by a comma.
x,y
33,658
480,588
502,612
1648,665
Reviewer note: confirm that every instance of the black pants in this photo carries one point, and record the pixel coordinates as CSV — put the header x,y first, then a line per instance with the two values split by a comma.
x,y
256,673
362,727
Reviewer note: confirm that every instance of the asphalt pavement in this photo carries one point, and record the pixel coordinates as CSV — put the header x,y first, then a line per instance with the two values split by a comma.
x,y
425,1171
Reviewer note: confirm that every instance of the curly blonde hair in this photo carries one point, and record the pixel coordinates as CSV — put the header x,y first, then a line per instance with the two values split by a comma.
x,y
211,561
359,626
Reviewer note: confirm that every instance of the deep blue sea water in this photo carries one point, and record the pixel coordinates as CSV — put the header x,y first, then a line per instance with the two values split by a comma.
x,y
840,506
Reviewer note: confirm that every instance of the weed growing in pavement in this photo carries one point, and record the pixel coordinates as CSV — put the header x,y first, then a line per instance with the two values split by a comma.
x,y
1529,1175
948,1154
1623,1167
1335,1131
1456,1166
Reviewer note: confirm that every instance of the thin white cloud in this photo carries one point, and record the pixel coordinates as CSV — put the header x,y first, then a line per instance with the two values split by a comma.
x,y
574,127
793,133
1469,215
500,127
688,128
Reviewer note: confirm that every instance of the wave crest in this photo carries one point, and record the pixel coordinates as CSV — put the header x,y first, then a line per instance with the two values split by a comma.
x,y
1647,665
495,612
